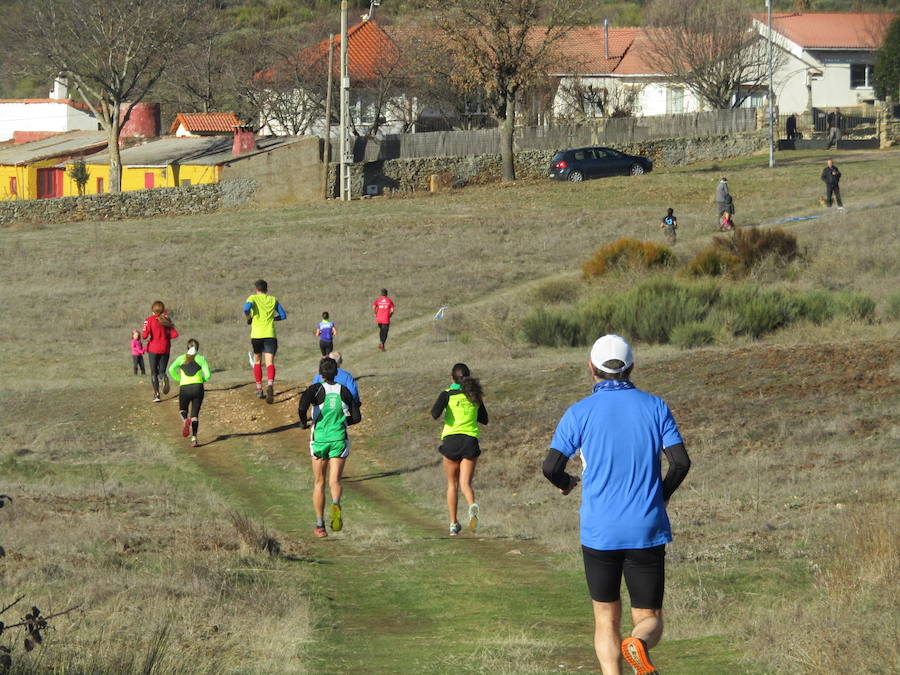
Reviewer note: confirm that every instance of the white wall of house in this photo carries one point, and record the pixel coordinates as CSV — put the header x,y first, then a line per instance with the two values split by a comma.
x,y
653,97
45,116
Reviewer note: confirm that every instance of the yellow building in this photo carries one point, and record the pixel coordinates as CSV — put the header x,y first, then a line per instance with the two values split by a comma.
x,y
33,170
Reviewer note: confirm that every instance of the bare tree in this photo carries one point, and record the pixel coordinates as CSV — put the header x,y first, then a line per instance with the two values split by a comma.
x,y
582,101
501,47
709,46
112,52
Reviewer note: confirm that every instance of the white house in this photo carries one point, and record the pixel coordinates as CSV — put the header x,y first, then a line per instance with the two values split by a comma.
x,y
34,118
827,58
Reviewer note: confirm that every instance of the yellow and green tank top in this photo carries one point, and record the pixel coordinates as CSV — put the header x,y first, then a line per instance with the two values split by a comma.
x,y
263,312
460,415
192,372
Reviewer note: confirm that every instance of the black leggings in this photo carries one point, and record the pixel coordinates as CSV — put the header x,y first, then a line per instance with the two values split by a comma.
x,y
158,365
138,363
383,331
190,394
326,347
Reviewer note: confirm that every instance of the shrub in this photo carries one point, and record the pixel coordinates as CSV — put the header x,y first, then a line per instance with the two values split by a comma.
x,y
626,253
744,249
759,312
552,329
594,317
556,292
692,334
892,312
817,306
651,311
856,307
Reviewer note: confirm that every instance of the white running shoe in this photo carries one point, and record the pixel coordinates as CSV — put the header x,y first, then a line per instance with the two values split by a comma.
x,y
473,517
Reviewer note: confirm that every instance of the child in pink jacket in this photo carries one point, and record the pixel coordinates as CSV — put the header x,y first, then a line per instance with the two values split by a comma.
x,y
137,351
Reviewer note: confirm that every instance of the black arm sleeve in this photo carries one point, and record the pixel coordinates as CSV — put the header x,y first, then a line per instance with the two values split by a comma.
x,y
679,465
482,414
306,400
438,408
554,469
352,404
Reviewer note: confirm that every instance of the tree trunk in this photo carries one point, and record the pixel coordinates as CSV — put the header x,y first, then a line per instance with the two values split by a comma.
x,y
115,159
507,128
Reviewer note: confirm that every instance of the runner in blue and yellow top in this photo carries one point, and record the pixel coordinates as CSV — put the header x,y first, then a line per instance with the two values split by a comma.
x,y
325,331
262,311
190,370
463,409
333,409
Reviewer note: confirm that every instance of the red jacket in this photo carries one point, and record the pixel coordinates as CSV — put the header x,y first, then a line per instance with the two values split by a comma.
x,y
160,337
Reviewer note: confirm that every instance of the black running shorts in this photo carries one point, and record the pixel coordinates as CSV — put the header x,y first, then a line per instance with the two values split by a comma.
x,y
264,345
459,446
644,570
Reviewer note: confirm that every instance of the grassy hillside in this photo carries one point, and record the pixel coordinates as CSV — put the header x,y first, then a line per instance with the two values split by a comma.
x,y
784,557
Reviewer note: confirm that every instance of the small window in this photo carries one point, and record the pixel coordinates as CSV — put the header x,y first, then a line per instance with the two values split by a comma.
x,y
579,155
99,186
13,185
185,182
860,75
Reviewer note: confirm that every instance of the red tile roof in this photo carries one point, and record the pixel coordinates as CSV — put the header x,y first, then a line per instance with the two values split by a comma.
x,y
585,49
206,122
831,30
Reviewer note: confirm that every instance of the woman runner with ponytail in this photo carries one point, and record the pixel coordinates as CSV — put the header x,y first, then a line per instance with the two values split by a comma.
x,y
463,409
190,370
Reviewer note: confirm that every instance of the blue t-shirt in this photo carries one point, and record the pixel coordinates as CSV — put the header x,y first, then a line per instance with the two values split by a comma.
x,y
344,378
621,432
325,328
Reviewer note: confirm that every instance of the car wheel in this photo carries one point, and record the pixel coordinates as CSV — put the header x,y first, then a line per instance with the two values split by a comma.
x,y
636,170
576,177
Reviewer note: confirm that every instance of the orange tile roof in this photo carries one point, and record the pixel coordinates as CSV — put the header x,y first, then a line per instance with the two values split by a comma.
x,y
585,48
369,51
831,30
206,122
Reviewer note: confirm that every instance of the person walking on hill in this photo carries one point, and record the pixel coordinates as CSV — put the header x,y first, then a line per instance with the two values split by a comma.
x,y
620,432
333,410
463,409
159,331
724,200
137,352
190,370
383,308
262,311
670,224
831,176
343,377
325,331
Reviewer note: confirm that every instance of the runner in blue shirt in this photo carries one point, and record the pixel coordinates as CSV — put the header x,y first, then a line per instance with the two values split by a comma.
x,y
325,331
621,432
343,377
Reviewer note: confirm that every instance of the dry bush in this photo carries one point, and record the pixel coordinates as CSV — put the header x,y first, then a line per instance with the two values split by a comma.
x,y
626,253
254,538
744,249
556,292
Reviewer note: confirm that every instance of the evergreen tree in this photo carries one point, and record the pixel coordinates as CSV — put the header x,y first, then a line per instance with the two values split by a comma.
x,y
887,63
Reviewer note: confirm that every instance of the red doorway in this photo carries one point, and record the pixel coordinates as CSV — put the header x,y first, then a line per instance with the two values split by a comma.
x,y
50,183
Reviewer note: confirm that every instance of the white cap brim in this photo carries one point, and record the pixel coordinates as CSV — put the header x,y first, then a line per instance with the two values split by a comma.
x,y
612,348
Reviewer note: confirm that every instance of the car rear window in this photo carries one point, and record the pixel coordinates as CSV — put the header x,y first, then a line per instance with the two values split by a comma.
x,y
558,156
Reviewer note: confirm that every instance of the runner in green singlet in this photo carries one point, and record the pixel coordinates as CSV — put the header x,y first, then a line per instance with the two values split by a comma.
x,y
463,409
333,409
190,370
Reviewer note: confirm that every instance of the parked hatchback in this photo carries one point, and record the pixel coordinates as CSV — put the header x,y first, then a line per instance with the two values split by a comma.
x,y
581,163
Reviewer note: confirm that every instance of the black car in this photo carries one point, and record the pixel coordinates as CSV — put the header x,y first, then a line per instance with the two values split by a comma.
x,y
580,163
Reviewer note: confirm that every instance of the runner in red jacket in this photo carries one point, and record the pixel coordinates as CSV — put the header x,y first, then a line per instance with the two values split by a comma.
x,y
383,308
160,331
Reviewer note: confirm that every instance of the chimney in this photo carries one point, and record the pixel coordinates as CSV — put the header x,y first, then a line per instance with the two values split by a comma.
x,y
606,39
244,140
60,88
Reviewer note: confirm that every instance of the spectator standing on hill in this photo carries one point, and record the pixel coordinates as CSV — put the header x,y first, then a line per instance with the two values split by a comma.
x,y
333,409
137,352
190,370
325,331
343,377
159,331
790,127
620,432
831,176
835,122
383,308
463,409
724,201
262,311
670,224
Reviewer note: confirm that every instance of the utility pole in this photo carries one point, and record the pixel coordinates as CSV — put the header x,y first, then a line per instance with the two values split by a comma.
x,y
326,188
346,145
771,102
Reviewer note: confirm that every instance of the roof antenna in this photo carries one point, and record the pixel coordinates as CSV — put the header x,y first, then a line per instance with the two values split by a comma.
x,y
368,15
606,39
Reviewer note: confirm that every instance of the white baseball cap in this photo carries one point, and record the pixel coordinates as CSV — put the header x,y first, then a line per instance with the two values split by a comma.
x,y
612,348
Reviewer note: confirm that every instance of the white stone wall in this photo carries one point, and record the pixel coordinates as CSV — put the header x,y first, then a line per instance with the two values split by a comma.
x,y
19,116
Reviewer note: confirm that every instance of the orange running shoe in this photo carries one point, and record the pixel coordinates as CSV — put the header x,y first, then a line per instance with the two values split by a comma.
x,y
635,652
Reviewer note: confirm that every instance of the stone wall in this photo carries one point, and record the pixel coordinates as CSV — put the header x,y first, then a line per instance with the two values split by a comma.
x,y
132,204
410,175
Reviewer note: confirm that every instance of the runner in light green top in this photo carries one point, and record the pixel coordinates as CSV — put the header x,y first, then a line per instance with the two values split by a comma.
x,y
262,311
333,409
190,370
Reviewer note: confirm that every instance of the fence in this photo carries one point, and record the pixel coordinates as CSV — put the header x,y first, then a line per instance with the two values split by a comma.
x,y
850,122
613,131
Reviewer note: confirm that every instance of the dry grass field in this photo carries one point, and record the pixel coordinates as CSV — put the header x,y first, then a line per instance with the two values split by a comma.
x,y
784,557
